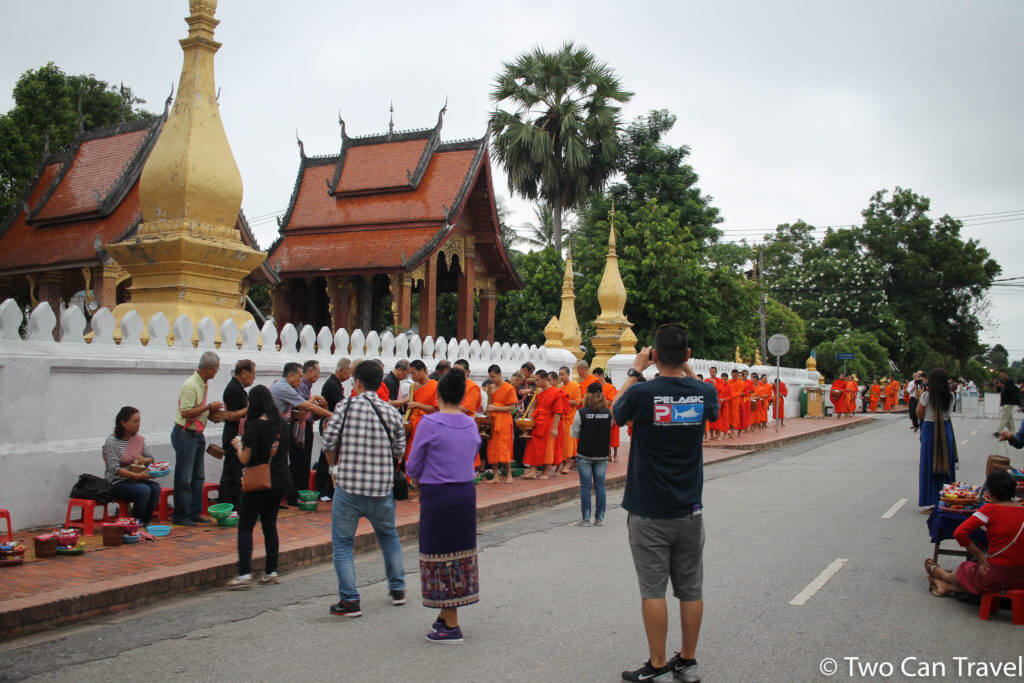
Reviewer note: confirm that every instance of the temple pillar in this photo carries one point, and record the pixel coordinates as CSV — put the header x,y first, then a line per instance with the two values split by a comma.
x,y
403,298
428,299
104,285
366,303
50,285
465,306
281,304
338,291
488,303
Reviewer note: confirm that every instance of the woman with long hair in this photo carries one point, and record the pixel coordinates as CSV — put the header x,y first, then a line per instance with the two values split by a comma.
x,y
122,449
592,429
938,445
441,464
265,440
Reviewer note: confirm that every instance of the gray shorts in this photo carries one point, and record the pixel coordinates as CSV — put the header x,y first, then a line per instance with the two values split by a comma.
x,y
668,548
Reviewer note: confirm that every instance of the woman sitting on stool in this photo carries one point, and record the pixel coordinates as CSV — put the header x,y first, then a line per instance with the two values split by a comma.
x,y
1002,569
123,449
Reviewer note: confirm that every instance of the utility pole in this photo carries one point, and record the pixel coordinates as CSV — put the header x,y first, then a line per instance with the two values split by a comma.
x,y
763,303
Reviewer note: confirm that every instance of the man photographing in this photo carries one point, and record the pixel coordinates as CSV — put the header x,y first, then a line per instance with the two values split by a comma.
x,y
664,482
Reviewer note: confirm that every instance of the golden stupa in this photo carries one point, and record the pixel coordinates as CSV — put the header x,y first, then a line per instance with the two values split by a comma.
x,y
187,257
611,294
571,336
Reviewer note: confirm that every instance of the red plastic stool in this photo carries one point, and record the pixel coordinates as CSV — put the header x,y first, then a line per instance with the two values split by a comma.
x,y
208,488
163,507
990,604
312,480
6,514
87,520
122,507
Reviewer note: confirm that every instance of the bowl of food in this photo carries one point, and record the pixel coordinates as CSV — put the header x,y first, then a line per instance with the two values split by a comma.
x,y
68,537
159,469
131,538
76,549
220,510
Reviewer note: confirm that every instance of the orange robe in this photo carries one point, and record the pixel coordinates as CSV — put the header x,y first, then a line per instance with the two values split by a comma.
x,y
572,392
734,403
851,396
471,402
543,448
745,408
427,395
610,392
837,394
721,425
876,393
382,391
892,390
499,447
779,402
586,382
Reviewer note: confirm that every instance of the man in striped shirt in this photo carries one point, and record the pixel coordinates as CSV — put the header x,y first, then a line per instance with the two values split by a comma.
x,y
363,441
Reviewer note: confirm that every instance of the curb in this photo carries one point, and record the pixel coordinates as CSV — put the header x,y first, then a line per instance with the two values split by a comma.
x,y
787,440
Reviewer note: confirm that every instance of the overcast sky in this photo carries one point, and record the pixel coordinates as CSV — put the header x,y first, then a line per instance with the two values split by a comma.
x,y
791,109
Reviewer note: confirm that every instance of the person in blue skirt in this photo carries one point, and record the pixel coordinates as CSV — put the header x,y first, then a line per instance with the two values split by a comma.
x,y
938,445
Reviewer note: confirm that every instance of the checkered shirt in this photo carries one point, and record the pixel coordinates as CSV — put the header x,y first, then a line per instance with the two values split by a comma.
x,y
366,458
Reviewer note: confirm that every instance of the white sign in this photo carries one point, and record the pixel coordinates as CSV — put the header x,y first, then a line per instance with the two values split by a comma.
x,y
778,345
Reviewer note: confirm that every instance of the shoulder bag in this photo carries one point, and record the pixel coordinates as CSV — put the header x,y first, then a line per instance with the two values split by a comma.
x,y
257,477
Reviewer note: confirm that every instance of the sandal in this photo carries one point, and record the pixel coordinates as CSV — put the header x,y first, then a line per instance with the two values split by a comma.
x,y
929,568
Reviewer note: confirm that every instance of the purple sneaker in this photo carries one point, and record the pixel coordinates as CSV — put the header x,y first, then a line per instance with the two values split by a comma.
x,y
446,635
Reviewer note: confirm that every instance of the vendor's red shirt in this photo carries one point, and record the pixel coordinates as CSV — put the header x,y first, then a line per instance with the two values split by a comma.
x,y
1002,523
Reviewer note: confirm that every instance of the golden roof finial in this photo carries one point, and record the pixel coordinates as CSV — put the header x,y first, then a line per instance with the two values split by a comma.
x,y
611,293
571,336
553,334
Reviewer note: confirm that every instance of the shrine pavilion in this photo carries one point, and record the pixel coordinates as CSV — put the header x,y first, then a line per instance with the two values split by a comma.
x,y
81,200
374,233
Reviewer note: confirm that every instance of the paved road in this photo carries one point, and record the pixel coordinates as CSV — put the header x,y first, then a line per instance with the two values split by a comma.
x,y
560,602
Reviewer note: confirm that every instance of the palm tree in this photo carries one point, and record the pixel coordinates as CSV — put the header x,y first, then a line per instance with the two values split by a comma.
x,y
541,231
559,142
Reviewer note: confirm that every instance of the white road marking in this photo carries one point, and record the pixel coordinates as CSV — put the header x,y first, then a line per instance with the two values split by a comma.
x,y
819,581
964,442
888,514
974,432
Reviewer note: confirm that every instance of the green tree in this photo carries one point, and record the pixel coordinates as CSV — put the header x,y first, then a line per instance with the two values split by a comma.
x,y
998,357
521,315
540,232
558,139
50,109
871,359
780,319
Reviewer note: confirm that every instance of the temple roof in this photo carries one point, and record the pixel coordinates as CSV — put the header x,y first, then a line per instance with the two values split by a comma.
x,y
85,198
386,202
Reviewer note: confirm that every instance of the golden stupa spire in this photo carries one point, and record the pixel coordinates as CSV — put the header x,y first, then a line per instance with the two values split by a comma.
x,y
571,337
187,257
611,294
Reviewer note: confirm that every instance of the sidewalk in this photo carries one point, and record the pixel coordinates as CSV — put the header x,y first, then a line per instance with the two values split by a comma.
x,y
52,592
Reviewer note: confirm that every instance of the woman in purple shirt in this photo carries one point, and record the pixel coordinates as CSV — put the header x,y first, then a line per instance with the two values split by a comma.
x,y
441,464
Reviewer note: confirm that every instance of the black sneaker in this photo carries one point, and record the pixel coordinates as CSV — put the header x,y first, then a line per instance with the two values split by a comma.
x,y
186,522
649,673
684,669
397,597
346,608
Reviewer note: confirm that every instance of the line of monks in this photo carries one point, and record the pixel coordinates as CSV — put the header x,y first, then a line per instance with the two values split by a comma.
x,y
550,399
743,403
843,395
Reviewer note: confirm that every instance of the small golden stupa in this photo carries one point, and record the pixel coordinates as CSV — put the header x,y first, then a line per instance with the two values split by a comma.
x,y
187,257
571,337
611,294
553,334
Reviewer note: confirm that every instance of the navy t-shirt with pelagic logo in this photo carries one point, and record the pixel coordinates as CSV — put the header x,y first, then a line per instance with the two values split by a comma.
x,y
665,476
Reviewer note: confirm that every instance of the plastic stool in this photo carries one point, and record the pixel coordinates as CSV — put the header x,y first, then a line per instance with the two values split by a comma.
x,y
208,488
122,507
312,480
9,536
163,506
990,604
87,521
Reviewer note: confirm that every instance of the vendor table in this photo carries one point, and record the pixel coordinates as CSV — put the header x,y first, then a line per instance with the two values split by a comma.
x,y
942,524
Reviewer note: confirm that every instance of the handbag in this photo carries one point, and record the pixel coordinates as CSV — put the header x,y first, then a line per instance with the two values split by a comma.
x,y
400,483
257,477
91,487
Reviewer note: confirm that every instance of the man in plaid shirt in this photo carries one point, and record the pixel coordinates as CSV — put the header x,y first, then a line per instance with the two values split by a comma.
x,y
357,444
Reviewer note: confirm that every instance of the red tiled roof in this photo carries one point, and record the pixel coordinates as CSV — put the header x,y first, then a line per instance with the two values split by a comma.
x,y
371,167
92,175
314,207
376,249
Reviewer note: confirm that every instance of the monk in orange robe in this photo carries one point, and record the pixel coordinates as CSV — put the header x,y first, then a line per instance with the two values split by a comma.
x,y
779,402
851,396
876,393
586,376
744,404
472,401
737,385
501,403
544,445
720,427
424,398
764,399
573,399
610,392
837,395
892,392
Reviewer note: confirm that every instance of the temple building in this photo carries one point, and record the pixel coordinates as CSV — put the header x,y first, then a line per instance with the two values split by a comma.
x,y
81,200
374,233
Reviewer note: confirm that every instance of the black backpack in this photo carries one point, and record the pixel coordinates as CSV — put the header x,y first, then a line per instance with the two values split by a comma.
x,y
91,487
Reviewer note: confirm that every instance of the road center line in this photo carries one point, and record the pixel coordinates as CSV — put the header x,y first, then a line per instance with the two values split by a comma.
x,y
819,581
964,442
974,432
888,514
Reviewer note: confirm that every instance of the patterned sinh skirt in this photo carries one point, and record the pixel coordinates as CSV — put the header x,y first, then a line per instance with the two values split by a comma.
x,y
449,572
